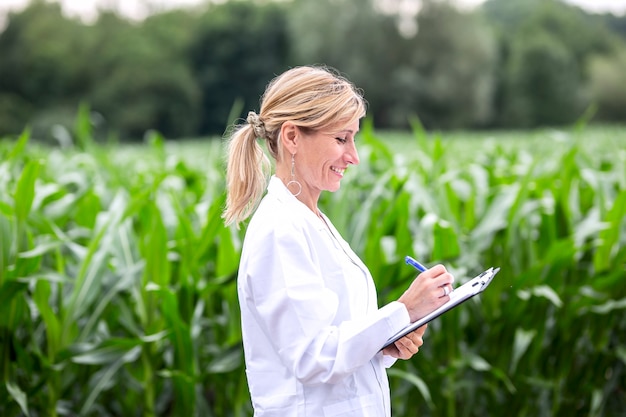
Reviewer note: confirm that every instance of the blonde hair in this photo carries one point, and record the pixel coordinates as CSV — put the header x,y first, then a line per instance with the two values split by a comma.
x,y
312,98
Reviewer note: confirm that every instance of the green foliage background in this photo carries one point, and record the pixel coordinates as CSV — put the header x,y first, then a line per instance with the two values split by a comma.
x,y
117,276
509,63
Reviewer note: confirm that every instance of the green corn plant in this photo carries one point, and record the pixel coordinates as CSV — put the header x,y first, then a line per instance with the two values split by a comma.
x,y
555,236
118,278
122,280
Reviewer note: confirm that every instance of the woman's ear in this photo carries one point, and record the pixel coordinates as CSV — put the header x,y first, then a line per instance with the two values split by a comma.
x,y
289,136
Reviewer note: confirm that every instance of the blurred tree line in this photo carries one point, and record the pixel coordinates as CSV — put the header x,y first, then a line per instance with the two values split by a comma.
x,y
185,73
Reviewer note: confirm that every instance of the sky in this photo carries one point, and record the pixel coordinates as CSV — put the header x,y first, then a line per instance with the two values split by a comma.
x,y
88,9
137,9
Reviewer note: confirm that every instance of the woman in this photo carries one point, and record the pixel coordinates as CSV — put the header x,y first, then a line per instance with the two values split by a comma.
x,y
312,329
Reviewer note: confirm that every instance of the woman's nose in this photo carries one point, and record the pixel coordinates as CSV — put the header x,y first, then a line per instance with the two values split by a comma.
x,y
352,155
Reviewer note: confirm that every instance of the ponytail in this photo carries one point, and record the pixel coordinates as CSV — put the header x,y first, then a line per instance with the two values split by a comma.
x,y
246,175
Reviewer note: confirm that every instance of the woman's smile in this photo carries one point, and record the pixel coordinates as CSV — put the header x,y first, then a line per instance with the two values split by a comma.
x,y
338,171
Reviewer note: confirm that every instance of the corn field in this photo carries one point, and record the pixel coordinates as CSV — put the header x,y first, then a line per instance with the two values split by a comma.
x,y
117,276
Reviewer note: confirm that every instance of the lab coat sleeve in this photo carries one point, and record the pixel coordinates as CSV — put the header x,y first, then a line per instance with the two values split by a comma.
x,y
299,313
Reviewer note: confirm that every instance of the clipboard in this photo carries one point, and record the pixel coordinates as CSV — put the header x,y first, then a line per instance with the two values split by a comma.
x,y
460,294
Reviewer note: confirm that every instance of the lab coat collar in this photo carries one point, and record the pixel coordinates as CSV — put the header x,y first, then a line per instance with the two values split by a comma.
x,y
279,190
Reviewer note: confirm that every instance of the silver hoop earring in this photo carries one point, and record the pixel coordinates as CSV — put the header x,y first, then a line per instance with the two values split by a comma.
x,y
293,177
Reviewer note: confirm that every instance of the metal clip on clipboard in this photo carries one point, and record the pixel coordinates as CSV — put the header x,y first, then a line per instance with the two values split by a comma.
x,y
460,294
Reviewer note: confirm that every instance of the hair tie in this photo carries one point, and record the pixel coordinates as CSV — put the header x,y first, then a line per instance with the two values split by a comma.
x,y
257,125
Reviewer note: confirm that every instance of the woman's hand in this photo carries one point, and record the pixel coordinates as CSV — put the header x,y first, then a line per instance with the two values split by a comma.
x,y
427,292
407,346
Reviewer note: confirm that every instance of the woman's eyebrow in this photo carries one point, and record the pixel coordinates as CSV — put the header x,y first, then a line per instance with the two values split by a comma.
x,y
347,131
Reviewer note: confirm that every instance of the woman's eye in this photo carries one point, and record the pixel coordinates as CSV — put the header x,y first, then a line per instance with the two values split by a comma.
x,y
341,140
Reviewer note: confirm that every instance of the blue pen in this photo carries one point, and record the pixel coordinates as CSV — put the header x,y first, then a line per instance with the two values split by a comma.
x,y
415,264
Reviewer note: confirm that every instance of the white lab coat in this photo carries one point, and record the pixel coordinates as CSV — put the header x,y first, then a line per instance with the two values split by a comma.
x,y
312,329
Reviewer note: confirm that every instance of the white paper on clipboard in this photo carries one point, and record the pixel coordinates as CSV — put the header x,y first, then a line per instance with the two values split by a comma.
x,y
460,294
